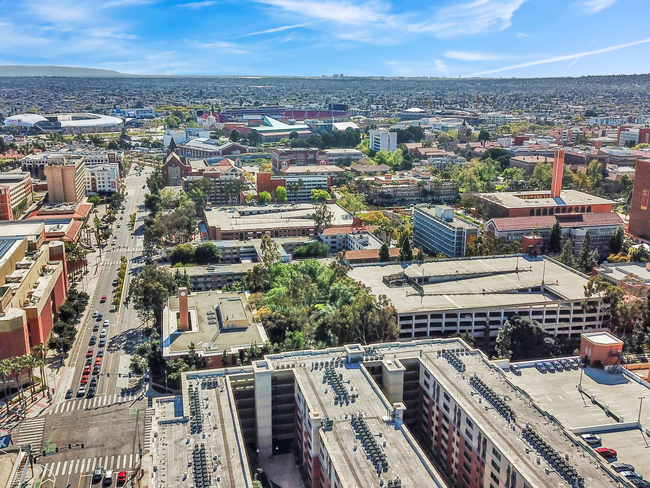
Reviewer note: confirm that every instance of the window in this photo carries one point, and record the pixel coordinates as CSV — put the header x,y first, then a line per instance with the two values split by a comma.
x,y
495,466
644,199
496,454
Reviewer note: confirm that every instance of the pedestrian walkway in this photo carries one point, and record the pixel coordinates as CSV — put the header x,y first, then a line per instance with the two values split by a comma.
x,y
120,462
31,432
96,402
147,428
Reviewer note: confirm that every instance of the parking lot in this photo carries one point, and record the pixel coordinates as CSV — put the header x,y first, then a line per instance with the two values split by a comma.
x,y
557,393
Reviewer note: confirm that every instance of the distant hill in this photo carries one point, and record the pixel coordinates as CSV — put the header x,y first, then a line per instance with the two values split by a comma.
x,y
20,70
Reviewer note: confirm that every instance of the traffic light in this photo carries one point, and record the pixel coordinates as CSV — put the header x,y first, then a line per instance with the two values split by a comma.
x,y
108,374
56,448
69,446
82,446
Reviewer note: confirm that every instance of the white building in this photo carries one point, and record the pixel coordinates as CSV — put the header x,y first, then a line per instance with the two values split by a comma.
x,y
337,156
102,179
383,139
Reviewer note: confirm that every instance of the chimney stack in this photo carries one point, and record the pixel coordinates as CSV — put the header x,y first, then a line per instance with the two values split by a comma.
x,y
183,309
558,170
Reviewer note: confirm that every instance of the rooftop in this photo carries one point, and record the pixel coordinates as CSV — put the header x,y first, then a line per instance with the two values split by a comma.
x,y
473,283
206,333
534,199
244,218
616,272
566,221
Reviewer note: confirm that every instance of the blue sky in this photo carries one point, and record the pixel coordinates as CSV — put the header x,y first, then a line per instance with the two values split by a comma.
x,y
442,38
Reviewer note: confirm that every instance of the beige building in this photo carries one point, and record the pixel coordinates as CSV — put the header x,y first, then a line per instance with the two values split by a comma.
x,y
15,194
66,179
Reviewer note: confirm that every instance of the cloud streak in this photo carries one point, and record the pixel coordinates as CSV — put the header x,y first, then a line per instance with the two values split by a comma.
x,y
469,56
197,5
595,6
270,31
563,58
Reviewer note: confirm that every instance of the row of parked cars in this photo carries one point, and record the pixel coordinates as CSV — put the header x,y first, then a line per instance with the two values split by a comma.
x,y
106,478
558,365
624,469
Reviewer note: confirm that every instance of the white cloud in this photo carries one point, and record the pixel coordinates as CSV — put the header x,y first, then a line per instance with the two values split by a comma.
x,y
470,18
340,12
594,6
198,5
563,58
468,56
275,29
521,34
442,67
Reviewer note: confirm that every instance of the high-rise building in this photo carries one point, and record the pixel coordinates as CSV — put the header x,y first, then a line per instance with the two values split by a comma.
x,y
639,207
438,230
66,179
15,194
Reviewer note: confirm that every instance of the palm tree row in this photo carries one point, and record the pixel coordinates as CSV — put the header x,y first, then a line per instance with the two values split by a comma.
x,y
17,365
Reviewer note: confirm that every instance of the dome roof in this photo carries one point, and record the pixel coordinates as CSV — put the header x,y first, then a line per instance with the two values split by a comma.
x,y
26,120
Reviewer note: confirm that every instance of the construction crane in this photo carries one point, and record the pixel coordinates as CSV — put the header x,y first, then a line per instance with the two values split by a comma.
x,y
478,103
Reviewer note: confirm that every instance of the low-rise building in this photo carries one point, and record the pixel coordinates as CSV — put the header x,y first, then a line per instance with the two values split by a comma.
x,y
284,158
35,163
343,157
601,227
341,239
528,163
438,230
299,187
370,169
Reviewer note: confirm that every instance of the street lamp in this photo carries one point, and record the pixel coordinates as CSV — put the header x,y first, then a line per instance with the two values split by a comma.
x,y
640,406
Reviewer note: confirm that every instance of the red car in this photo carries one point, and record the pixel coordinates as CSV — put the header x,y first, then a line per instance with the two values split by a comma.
x,y
606,452
84,379
121,478
89,353
103,299
98,361
87,370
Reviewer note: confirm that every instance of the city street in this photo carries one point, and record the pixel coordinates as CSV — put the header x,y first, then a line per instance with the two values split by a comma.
x,y
108,429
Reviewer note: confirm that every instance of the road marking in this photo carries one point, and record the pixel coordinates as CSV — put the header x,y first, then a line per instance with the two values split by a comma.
x,y
70,468
76,466
65,463
130,460
83,465
105,461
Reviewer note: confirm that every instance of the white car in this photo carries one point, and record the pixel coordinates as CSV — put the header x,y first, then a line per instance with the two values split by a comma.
x,y
591,438
95,313
106,323
102,333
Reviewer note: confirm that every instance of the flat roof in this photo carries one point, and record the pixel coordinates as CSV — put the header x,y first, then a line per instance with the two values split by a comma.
x,y
458,284
206,334
619,271
602,338
534,199
247,218
457,222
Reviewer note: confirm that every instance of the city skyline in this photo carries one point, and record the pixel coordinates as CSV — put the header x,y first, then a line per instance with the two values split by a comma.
x,y
487,38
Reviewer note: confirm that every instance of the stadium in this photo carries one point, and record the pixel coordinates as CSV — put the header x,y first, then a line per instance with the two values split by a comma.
x,y
71,122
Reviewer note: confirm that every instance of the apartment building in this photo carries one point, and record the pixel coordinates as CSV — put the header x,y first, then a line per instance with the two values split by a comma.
x,y
427,413
382,139
34,285
299,187
640,204
438,230
102,179
66,179
16,194
35,163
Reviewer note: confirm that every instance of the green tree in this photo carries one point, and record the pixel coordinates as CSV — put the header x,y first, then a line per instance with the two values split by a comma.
x,y
281,194
543,175
322,217
384,254
616,241
234,135
264,197
406,252
352,202
522,338
566,256
183,254
207,253
95,200
319,195
555,242
594,172
483,135
269,251
420,256
587,257
153,203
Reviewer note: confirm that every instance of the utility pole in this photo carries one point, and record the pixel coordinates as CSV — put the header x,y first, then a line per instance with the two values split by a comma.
x,y
640,407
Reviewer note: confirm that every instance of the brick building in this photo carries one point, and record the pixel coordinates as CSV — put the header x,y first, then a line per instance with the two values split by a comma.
x,y
639,207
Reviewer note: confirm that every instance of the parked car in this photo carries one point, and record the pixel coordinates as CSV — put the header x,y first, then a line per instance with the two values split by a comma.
x,y
93,382
640,483
68,394
618,467
549,367
121,478
573,363
92,341
606,452
591,439
102,299
557,365
540,367
106,323
81,391
565,364
115,282
90,352
87,370
102,342
100,353
95,313
631,475
98,473
108,477
515,369
102,334
95,327
96,370
84,379
91,392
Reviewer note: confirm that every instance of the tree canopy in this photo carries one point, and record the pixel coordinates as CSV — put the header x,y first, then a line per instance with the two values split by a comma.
x,y
522,338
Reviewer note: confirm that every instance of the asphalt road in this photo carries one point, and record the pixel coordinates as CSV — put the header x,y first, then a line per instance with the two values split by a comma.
x,y
111,425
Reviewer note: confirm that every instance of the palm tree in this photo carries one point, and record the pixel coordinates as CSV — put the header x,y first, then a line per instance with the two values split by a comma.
x,y
41,355
17,367
30,362
5,372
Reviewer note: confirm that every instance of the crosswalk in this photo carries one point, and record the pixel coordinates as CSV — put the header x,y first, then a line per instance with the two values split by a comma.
x,y
31,432
148,419
87,403
120,462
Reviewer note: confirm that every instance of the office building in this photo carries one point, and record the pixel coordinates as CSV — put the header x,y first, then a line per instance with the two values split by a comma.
x,y
382,139
66,179
343,157
35,163
421,414
16,194
478,295
438,230
639,207
102,179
